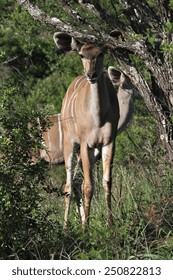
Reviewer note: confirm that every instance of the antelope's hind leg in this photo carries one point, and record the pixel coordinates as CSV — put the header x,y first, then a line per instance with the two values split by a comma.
x,y
69,158
78,189
107,158
79,202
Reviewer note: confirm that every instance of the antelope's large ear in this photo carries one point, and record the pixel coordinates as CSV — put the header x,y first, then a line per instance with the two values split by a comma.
x,y
115,76
65,42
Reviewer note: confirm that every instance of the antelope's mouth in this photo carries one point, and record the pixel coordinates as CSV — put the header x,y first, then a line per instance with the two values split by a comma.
x,y
92,77
92,80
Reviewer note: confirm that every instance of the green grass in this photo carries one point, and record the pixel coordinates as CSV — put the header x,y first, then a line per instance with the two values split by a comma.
x,y
142,208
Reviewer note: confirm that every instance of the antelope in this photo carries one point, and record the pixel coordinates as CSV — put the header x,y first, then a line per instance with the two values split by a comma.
x,y
126,93
89,118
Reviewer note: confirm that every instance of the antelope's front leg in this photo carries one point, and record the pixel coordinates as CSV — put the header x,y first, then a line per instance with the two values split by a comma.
x,y
88,186
107,158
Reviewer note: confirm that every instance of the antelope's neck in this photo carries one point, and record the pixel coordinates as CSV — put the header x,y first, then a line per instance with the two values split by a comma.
x,y
99,102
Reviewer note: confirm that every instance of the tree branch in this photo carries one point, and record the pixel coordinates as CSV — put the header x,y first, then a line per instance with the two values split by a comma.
x,y
41,16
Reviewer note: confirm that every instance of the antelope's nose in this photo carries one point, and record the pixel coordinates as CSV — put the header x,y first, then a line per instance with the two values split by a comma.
x,y
92,76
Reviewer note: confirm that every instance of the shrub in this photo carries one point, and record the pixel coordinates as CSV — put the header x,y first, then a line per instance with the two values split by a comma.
x,y
22,222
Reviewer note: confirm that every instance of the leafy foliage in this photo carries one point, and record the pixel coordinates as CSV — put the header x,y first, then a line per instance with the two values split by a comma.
x,y
21,181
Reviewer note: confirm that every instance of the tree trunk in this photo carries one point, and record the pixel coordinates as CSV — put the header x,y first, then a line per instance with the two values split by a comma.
x,y
159,104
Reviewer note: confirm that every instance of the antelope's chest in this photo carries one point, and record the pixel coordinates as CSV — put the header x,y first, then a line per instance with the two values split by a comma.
x,y
96,137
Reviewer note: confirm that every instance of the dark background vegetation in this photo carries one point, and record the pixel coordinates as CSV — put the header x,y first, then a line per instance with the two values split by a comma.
x,y
33,80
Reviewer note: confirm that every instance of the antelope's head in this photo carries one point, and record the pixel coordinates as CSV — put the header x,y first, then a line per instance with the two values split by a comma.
x,y
92,60
91,55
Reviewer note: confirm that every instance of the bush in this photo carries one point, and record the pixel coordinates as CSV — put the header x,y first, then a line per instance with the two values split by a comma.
x,y
21,182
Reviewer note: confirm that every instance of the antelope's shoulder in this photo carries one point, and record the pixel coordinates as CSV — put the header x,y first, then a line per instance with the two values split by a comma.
x,y
77,83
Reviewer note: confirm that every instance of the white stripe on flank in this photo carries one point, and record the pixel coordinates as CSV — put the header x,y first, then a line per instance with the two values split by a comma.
x,y
49,141
60,132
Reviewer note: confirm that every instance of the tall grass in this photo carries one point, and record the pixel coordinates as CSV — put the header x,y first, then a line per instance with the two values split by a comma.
x,y
142,208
